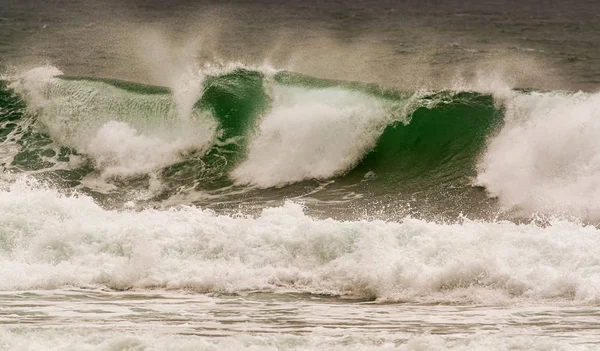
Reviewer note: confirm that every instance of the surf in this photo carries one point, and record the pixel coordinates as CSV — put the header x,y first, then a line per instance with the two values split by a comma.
x,y
73,242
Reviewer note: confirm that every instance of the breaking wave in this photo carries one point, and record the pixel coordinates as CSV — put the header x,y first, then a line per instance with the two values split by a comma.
x,y
535,152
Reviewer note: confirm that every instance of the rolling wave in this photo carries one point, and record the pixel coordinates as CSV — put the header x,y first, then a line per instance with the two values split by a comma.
x,y
533,151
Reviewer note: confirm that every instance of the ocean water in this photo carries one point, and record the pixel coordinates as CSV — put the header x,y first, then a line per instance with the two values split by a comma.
x,y
265,175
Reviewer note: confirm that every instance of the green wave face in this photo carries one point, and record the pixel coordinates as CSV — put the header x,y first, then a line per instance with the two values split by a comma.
x,y
431,142
439,144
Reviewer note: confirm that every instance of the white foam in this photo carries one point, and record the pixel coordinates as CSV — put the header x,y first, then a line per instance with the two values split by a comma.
x,y
313,134
547,156
120,150
50,241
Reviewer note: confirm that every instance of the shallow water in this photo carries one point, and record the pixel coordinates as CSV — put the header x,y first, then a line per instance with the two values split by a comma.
x,y
70,319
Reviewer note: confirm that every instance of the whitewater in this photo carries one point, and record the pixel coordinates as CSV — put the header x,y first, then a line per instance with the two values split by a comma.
x,y
247,207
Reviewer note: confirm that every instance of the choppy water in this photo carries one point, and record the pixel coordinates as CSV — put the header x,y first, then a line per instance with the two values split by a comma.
x,y
264,175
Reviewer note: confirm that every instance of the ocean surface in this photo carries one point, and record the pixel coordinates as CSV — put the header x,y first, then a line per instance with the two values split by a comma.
x,y
273,175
